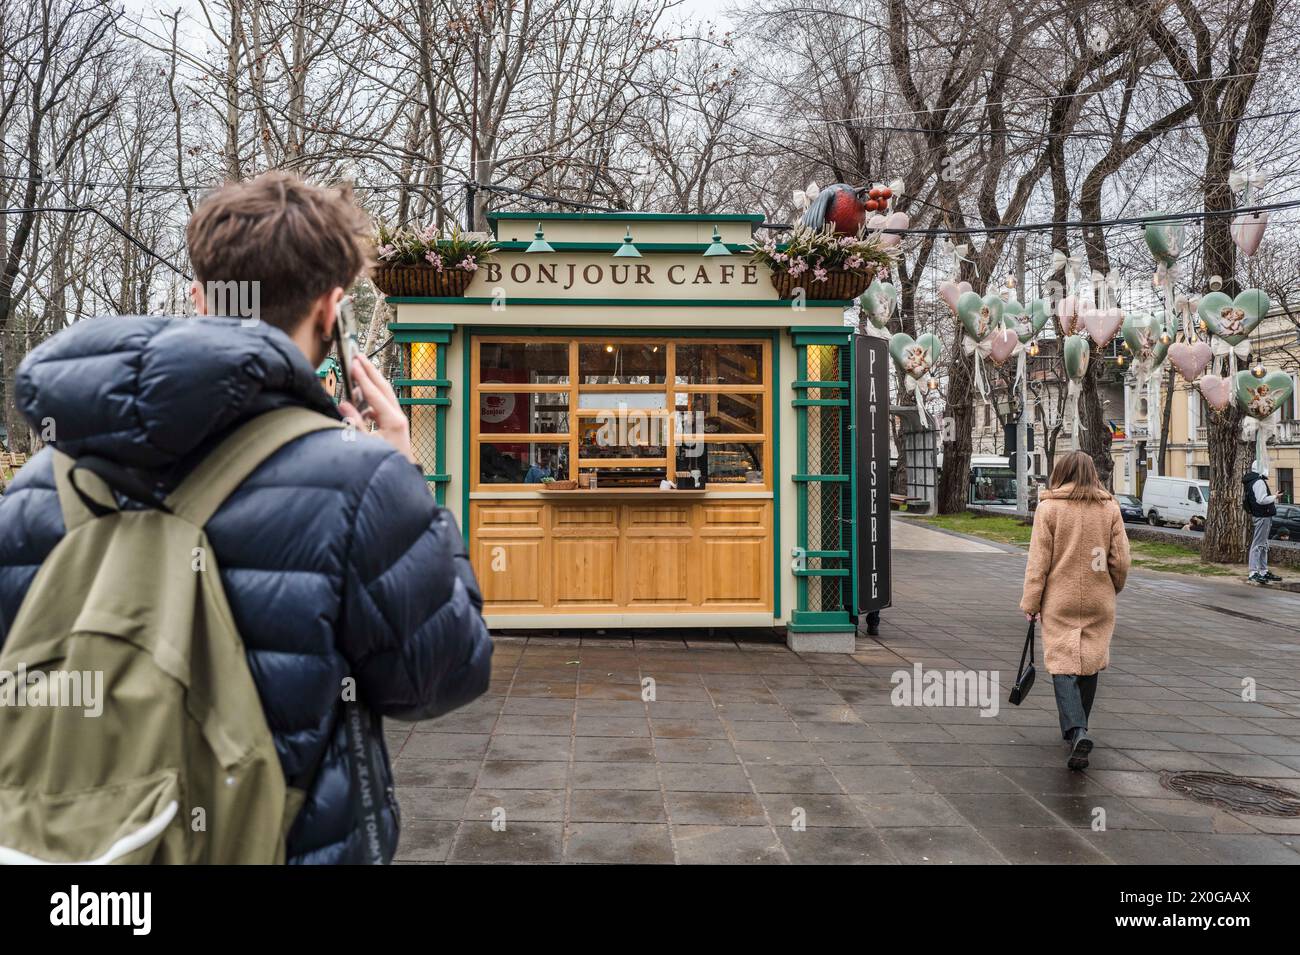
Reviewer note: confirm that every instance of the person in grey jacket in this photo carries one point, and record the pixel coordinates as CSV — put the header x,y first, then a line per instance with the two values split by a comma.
x,y
1261,504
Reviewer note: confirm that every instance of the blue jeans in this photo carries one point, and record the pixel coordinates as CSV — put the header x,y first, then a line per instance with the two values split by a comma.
x,y
1074,695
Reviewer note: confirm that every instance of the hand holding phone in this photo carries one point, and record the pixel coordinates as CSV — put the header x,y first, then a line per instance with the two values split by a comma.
x,y
345,337
360,379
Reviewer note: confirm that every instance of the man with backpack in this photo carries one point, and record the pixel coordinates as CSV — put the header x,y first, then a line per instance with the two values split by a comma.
x,y
1261,505
259,583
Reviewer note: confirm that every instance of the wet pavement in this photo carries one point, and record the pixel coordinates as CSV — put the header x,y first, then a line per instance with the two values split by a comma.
x,y
749,753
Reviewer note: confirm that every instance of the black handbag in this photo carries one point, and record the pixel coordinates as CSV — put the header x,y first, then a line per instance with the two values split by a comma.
x,y
1025,674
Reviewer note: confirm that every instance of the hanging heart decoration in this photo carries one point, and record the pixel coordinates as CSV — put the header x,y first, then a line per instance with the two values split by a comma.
x,y
1165,240
1142,333
1033,320
1217,391
1233,319
1101,324
979,315
1248,231
1004,342
895,220
1191,358
1076,355
878,302
1260,397
1068,315
950,291
915,358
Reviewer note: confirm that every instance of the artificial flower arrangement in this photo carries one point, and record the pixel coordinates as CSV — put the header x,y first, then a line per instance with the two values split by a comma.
x,y
825,264
425,262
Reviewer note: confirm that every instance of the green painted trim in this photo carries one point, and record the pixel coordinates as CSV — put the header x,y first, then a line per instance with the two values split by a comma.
x,y
801,489
424,401
827,553
833,478
852,602
418,326
820,402
623,302
580,332
626,216
440,478
420,383
805,385
806,621
440,418
824,572
467,350
775,338
822,337
689,247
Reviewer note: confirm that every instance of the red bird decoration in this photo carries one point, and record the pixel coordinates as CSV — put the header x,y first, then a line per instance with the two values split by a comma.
x,y
841,206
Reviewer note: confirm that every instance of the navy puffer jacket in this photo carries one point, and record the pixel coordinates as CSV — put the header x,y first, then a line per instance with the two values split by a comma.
x,y
335,559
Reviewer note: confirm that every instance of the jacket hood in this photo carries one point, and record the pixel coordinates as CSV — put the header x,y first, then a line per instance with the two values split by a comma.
x,y
1064,492
146,392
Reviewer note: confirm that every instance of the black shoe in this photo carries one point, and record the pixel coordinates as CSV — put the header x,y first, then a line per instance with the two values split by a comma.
x,y
1257,579
873,629
1269,575
1080,747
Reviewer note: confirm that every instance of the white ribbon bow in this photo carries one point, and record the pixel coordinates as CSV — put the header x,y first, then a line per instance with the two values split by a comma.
x,y
1248,181
1072,392
1072,265
913,385
958,254
803,198
1235,353
981,351
1263,431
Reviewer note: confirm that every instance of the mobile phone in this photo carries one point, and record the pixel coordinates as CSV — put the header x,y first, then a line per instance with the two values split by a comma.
x,y
345,336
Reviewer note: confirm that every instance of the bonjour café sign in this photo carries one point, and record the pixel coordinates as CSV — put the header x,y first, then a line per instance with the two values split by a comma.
x,y
564,276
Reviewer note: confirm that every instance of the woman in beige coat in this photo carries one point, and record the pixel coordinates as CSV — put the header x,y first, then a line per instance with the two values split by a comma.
x,y
1078,561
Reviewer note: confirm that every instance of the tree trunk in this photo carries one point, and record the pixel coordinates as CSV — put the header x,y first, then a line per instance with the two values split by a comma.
x,y
958,420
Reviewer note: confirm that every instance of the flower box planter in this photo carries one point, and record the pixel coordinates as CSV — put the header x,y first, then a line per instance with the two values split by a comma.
x,y
421,281
839,284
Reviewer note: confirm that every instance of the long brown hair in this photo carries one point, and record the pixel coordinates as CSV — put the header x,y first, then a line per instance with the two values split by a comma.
x,y
1077,468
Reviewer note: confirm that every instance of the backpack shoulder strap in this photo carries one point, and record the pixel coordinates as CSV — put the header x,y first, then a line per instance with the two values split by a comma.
x,y
77,507
234,459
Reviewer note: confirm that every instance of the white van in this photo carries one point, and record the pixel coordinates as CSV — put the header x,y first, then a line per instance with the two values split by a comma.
x,y
1171,500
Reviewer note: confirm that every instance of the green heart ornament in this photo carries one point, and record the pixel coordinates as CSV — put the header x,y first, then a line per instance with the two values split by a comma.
x,y
878,302
979,316
1233,319
1165,240
1076,356
1142,332
1032,322
915,357
1260,397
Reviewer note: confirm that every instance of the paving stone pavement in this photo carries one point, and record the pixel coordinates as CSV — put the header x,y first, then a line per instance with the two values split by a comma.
x,y
746,739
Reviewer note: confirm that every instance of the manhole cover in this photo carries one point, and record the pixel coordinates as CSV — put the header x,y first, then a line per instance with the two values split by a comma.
x,y
1232,792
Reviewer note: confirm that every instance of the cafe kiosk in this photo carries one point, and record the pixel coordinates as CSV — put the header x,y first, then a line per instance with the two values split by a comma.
x,y
635,431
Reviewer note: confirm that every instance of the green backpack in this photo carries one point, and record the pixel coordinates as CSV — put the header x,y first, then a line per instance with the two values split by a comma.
x,y
132,730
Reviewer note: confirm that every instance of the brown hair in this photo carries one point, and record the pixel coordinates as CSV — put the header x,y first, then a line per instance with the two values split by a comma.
x,y
1078,469
296,240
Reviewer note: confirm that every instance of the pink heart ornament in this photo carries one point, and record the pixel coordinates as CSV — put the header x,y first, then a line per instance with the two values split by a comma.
x,y
1101,323
1003,345
1248,231
895,220
1191,359
1067,313
1217,391
950,291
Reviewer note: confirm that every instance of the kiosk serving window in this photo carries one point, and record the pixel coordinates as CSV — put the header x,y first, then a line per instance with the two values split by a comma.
x,y
621,412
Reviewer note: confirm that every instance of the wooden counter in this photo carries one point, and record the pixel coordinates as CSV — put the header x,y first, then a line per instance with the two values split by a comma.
x,y
623,549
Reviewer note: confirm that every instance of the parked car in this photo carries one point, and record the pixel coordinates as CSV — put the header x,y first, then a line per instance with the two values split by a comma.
x,y
1130,507
1286,523
1171,500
